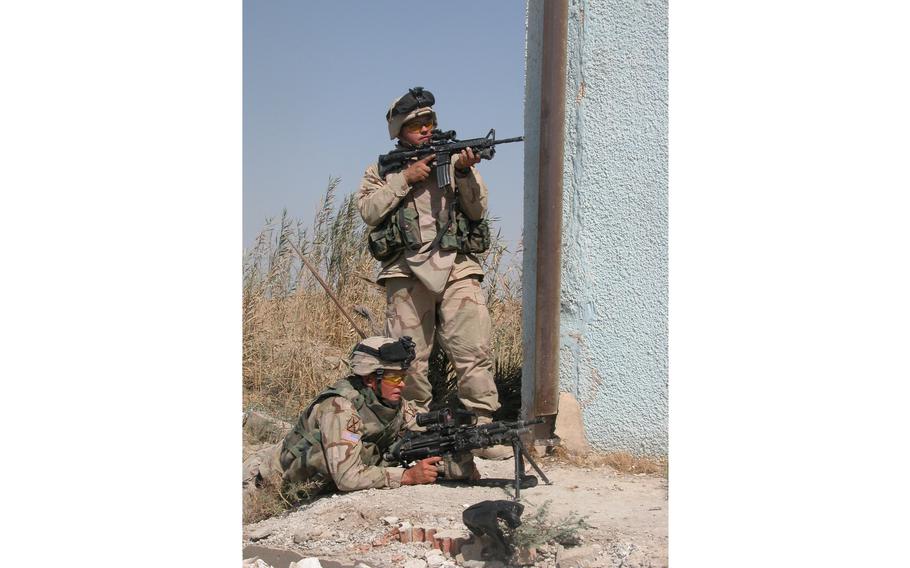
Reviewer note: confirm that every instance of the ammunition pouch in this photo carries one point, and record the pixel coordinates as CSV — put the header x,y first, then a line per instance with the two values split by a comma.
x,y
400,230
466,236
473,236
295,450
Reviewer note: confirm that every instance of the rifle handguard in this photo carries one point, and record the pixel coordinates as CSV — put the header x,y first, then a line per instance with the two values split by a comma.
x,y
442,143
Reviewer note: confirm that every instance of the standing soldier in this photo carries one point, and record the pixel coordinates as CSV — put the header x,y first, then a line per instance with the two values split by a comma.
x,y
433,283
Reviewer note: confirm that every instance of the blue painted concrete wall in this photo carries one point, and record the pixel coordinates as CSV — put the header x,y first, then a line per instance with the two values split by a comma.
x,y
613,355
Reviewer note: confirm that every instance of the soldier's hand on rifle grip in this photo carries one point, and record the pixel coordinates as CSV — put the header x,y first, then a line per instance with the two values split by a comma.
x,y
419,170
466,159
423,471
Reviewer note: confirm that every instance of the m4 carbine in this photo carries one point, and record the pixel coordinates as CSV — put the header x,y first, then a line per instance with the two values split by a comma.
x,y
448,433
443,144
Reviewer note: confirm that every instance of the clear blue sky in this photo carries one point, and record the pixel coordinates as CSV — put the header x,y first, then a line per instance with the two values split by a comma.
x,y
318,78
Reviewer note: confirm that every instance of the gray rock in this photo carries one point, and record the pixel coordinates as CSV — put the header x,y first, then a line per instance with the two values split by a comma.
x,y
453,533
264,427
306,534
434,558
311,562
576,557
569,426
259,533
415,563
482,564
391,521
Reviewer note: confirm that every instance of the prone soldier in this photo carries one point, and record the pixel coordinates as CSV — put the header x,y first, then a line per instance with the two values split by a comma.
x,y
338,442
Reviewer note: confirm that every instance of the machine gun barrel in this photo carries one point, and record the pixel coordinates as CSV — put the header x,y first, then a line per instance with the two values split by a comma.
x,y
448,437
449,433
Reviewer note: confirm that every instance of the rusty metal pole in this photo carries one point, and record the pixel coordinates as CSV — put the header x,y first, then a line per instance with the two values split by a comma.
x,y
549,209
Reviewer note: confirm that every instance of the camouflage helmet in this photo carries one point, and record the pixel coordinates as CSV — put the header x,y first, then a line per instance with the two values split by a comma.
x,y
416,102
381,353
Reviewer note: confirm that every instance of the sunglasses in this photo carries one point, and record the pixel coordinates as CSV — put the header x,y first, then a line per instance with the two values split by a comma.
x,y
393,379
418,124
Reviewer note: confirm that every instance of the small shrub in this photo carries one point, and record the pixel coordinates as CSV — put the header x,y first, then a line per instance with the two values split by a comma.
x,y
273,496
264,501
540,529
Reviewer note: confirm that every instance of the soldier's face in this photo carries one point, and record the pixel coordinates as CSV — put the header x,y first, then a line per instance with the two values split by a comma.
x,y
418,130
390,386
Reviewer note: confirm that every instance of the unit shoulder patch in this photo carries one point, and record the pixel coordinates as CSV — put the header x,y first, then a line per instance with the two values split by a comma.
x,y
354,424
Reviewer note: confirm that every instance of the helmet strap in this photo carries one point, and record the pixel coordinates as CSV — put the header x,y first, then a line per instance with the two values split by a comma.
x,y
377,384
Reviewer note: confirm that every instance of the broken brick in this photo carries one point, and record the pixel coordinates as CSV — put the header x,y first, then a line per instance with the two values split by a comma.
x,y
446,545
406,533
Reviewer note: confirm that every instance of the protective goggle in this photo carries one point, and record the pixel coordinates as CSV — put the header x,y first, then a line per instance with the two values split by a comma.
x,y
401,350
394,378
420,123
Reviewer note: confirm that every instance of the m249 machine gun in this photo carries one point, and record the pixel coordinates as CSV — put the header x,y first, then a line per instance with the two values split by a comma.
x,y
448,433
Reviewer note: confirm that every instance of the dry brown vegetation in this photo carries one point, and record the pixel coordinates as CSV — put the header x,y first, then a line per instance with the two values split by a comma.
x,y
620,461
295,342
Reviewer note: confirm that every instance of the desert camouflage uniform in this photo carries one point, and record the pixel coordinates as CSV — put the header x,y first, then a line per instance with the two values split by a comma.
x,y
339,440
459,312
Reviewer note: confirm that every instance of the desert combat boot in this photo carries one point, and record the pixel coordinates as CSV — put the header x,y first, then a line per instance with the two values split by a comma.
x,y
493,452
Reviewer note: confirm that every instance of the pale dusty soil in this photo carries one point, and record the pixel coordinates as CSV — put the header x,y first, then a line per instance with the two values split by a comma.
x,y
629,513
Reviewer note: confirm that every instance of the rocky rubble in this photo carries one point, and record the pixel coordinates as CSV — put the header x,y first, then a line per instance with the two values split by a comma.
x,y
408,527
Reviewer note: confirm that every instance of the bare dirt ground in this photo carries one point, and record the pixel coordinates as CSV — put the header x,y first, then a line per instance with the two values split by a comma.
x,y
627,514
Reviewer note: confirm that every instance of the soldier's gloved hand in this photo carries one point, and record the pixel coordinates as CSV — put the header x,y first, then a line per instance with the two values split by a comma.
x,y
423,471
419,170
465,159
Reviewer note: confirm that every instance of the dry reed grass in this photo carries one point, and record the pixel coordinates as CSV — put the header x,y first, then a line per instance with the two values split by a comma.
x,y
265,502
294,339
623,462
